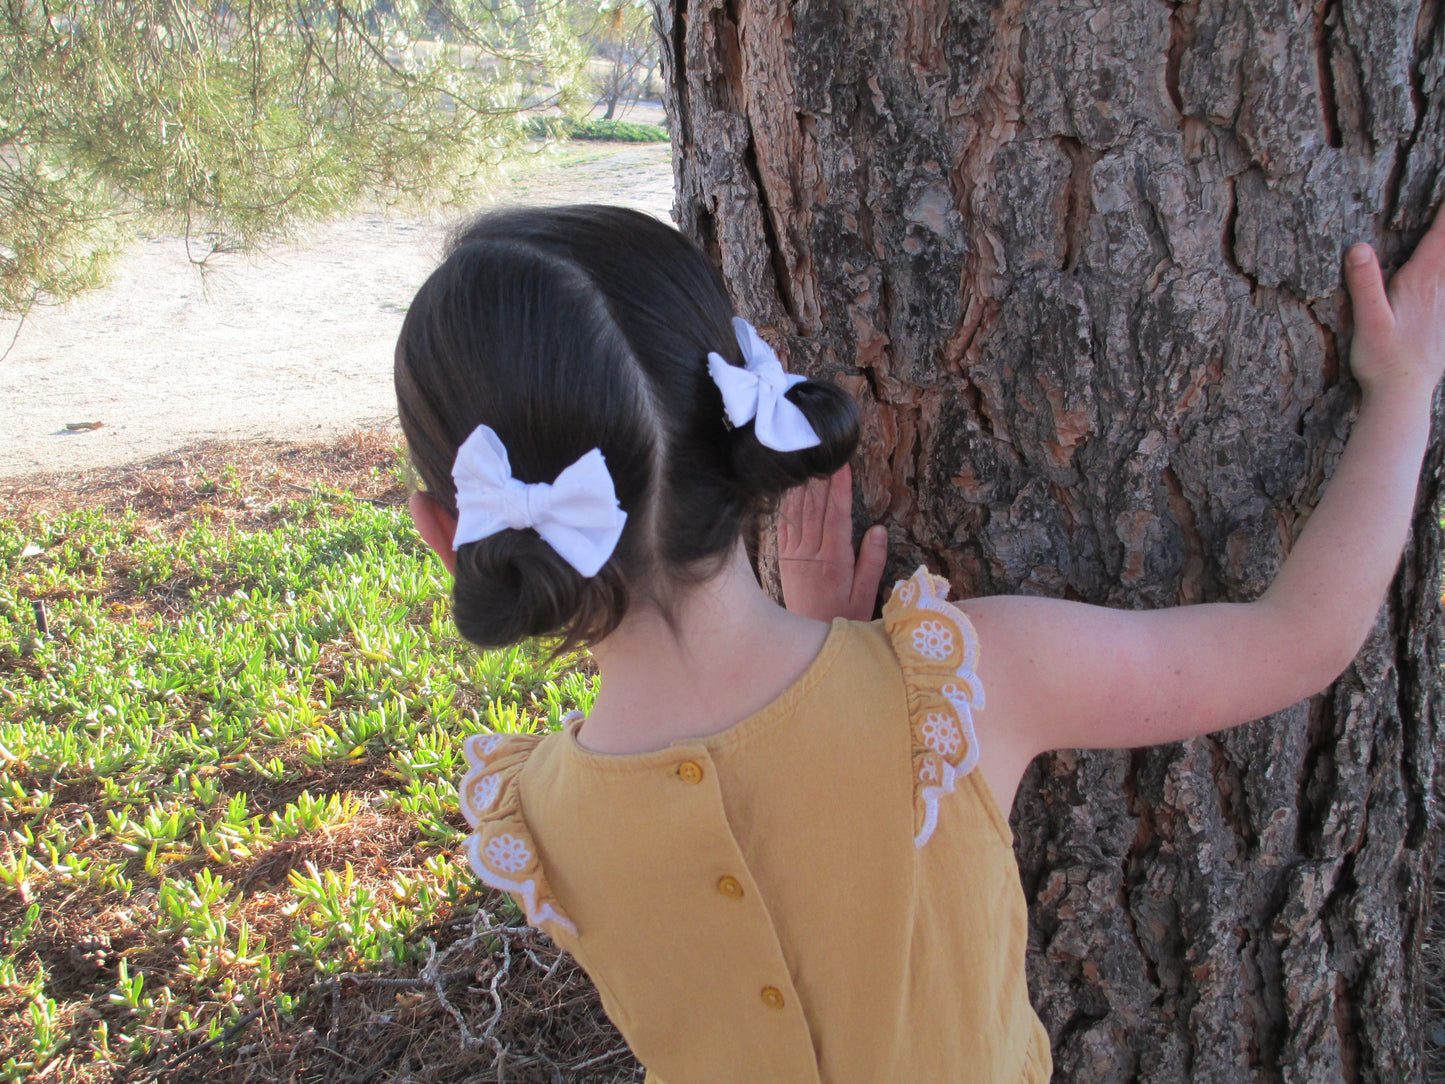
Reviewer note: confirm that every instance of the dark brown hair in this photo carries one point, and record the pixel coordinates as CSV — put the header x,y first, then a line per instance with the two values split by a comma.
x,y
572,328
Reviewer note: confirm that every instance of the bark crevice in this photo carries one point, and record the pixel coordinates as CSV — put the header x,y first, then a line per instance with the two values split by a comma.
x,y
1325,18
782,280
1180,33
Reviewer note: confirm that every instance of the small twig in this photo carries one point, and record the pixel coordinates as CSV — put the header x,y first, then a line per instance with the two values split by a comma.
x,y
366,1075
315,492
20,324
361,979
580,999
331,1049
598,1059
389,984
335,1010
497,976
225,1036
427,974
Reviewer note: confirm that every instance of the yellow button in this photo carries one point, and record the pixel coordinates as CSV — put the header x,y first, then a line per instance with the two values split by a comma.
x,y
729,886
772,997
689,772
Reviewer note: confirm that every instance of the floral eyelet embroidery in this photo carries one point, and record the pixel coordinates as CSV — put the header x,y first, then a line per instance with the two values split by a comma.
x,y
501,851
941,734
484,791
933,640
938,651
507,853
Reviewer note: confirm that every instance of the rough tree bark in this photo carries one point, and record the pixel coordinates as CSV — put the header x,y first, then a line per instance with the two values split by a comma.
x,y
1080,264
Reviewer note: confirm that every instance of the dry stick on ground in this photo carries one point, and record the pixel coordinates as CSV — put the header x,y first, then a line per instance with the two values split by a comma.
x,y
483,925
433,978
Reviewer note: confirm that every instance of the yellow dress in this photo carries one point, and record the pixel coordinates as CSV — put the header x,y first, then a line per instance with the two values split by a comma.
x,y
825,892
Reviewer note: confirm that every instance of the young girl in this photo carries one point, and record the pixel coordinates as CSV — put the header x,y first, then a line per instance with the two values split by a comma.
x,y
779,844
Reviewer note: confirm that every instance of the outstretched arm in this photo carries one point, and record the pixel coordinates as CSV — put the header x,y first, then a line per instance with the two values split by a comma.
x,y
1066,675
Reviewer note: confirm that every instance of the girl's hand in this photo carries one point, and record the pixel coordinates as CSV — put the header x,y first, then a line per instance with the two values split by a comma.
x,y
820,577
1400,335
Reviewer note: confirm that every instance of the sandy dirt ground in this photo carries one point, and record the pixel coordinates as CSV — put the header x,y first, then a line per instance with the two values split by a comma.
x,y
293,344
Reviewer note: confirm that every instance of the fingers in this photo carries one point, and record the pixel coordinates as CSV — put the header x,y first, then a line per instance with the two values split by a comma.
x,y
835,528
1432,245
802,514
1367,290
840,497
790,509
815,505
868,572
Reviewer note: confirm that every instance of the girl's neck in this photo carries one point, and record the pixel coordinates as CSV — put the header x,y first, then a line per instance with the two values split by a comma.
x,y
730,652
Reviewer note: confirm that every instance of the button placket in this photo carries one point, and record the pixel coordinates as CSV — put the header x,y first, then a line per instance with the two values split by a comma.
x,y
691,773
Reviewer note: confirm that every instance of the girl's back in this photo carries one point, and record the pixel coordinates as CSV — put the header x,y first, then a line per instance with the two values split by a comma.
x,y
810,895
773,843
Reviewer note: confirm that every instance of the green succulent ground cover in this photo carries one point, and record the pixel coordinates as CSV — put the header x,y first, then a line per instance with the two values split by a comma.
x,y
231,710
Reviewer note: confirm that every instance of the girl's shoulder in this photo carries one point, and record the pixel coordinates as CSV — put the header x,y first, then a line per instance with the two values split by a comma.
x,y
938,634
501,850
937,650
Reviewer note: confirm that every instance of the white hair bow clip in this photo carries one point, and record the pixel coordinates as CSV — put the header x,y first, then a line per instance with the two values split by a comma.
x,y
756,394
577,515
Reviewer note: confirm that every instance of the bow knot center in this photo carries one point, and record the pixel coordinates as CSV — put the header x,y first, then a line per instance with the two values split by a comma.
x,y
524,505
773,376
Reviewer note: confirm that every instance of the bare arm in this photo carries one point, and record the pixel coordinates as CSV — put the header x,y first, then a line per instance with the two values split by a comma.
x,y
1064,675
1067,675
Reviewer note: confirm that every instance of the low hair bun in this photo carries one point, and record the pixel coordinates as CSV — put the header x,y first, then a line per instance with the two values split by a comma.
x,y
765,473
512,585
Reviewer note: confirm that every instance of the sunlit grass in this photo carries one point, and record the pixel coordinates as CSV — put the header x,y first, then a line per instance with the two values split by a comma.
x,y
228,759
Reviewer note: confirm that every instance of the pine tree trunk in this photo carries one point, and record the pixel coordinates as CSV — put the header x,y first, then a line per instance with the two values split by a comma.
x,y
1080,264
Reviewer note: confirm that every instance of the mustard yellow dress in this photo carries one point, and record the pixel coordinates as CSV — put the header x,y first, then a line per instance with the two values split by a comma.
x,y
825,892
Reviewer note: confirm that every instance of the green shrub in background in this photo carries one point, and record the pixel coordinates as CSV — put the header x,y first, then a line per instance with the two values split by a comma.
x,y
619,131
612,131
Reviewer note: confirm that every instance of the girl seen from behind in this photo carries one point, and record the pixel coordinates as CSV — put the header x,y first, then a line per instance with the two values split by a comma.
x,y
779,841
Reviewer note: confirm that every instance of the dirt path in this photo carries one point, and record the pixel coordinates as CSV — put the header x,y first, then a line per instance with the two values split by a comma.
x,y
293,344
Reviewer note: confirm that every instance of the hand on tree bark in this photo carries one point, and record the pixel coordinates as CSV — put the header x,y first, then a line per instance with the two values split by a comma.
x,y
1399,336
821,577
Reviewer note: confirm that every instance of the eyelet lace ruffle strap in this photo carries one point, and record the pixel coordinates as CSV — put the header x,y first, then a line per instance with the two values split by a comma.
x,y
501,851
938,649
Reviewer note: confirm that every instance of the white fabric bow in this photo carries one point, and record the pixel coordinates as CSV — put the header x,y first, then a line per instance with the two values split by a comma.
x,y
577,515
756,394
